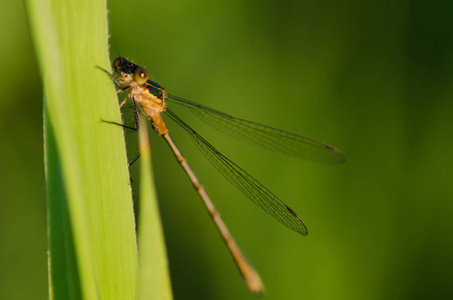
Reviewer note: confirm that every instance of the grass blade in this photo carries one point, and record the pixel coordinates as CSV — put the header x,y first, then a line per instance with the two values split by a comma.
x,y
154,282
91,228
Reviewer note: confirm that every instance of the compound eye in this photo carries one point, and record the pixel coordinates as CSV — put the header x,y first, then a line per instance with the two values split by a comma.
x,y
117,62
140,75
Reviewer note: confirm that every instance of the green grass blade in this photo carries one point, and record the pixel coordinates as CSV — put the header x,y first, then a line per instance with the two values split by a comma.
x,y
92,248
154,281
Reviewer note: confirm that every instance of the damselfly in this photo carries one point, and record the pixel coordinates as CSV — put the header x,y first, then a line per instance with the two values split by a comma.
x,y
153,98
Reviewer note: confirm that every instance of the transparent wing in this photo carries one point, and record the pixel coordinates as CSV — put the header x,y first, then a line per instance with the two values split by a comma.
x,y
264,136
248,185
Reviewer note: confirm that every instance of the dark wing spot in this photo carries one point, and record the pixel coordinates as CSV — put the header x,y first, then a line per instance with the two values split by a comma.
x,y
292,211
330,147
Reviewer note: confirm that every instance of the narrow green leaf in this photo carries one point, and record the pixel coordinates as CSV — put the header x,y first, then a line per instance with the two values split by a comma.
x,y
154,282
91,228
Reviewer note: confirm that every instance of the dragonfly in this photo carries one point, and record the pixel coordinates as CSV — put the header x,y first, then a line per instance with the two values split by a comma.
x,y
151,98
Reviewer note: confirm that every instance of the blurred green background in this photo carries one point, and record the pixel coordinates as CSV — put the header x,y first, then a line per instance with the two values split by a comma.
x,y
372,78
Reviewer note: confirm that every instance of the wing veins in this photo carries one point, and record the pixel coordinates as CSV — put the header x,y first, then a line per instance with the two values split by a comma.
x,y
244,182
262,135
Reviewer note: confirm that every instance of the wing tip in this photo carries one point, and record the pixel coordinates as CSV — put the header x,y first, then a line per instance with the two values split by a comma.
x,y
303,231
338,157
